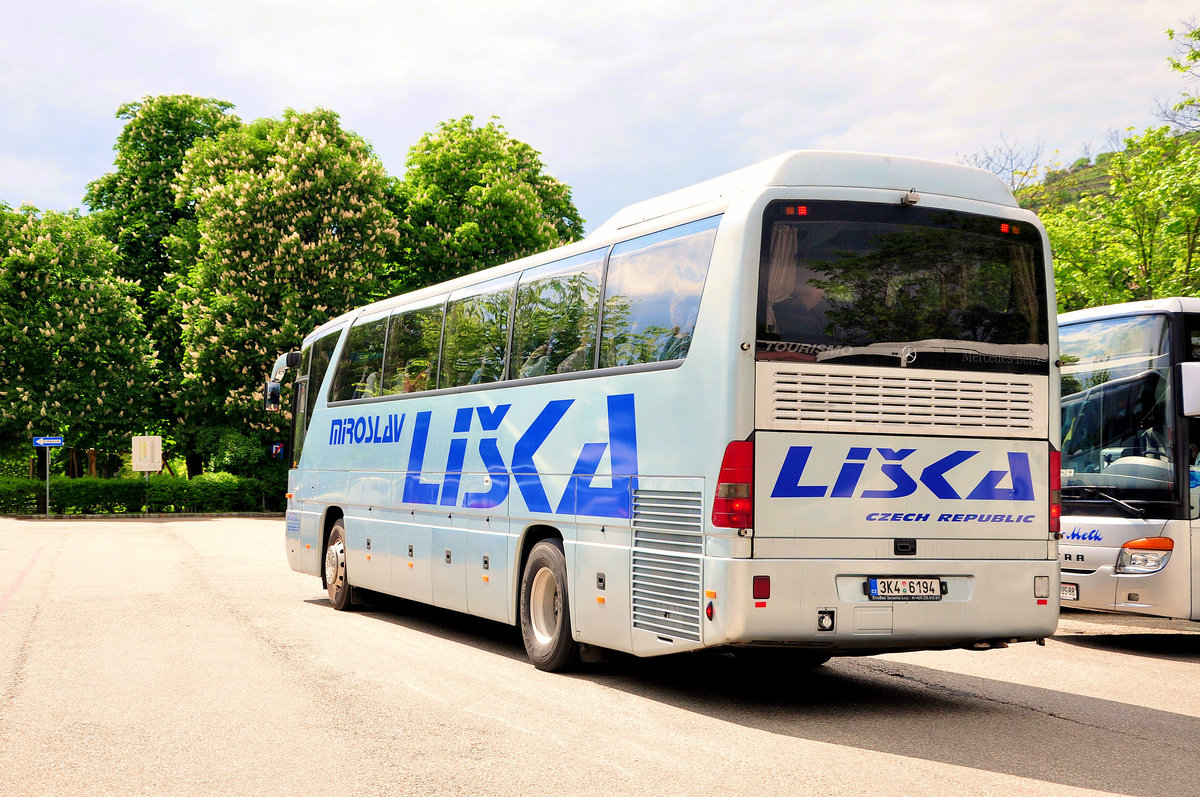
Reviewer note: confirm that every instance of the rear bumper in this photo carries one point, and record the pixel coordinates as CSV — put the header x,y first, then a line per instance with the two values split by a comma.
x,y
985,601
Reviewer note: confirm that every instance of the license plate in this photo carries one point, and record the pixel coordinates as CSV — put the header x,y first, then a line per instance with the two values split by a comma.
x,y
905,589
1069,592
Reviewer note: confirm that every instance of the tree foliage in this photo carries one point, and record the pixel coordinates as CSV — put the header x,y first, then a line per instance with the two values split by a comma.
x,y
214,245
74,359
134,207
1019,166
290,228
1184,114
1137,239
474,197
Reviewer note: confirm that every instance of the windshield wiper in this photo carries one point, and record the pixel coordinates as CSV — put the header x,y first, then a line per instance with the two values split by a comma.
x,y
1130,508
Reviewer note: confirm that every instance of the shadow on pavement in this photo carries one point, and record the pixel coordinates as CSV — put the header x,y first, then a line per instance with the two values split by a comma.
x,y
1169,647
897,708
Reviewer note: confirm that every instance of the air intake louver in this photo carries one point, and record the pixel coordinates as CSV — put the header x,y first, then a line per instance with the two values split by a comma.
x,y
668,540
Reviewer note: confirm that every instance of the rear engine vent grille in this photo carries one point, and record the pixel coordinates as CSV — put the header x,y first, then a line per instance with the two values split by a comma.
x,y
668,539
819,398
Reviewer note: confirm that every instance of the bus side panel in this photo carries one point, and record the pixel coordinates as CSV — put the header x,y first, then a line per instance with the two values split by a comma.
x,y
412,563
488,577
367,531
600,603
448,561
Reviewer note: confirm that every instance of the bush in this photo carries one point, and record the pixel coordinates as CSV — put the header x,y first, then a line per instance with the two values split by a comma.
x,y
210,492
19,496
224,492
167,494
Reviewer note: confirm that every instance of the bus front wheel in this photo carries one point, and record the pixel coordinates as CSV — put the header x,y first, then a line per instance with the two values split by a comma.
x,y
545,609
340,591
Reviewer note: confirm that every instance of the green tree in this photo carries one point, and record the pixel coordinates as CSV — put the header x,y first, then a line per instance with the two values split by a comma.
x,y
134,207
290,228
1184,114
474,197
1137,239
74,358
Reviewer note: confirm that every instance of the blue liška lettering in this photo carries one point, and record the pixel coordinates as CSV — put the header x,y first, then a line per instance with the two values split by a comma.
x,y
580,497
934,477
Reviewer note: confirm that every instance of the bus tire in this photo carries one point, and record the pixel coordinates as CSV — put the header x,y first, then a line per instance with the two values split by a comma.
x,y
545,609
334,573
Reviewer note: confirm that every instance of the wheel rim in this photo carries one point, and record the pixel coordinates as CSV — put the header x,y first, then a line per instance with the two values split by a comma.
x,y
335,568
545,606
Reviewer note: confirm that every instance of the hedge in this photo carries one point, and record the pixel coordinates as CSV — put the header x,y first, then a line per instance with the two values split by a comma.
x,y
209,492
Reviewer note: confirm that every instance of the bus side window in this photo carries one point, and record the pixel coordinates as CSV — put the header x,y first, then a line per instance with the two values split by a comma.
x,y
322,357
476,336
360,368
652,294
414,337
554,327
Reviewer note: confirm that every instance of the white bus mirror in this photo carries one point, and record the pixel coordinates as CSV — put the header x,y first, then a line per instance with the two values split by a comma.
x,y
1189,383
291,359
272,402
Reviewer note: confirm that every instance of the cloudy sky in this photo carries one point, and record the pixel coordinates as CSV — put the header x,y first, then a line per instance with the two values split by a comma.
x,y
625,99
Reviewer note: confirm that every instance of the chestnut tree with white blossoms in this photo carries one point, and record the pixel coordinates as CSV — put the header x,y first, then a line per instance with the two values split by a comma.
x,y
289,228
74,355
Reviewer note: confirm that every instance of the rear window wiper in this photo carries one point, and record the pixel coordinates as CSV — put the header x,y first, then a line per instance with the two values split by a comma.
x,y
1130,508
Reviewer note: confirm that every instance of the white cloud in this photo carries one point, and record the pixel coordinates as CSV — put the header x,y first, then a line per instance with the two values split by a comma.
x,y
625,99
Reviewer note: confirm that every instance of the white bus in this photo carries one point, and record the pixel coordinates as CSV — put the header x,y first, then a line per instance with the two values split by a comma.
x,y
1130,483
807,405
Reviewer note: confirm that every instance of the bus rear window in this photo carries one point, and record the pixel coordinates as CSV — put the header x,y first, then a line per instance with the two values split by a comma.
x,y
880,285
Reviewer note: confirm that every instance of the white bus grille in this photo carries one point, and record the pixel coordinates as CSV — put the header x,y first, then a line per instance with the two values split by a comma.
x,y
816,398
668,539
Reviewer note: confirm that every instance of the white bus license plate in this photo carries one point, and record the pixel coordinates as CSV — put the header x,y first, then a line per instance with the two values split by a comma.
x,y
904,589
1069,592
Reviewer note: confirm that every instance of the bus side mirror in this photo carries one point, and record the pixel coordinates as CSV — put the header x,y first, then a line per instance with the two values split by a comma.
x,y
272,401
1189,383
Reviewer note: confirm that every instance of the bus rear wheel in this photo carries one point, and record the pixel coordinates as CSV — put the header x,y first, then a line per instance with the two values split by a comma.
x,y
340,591
545,609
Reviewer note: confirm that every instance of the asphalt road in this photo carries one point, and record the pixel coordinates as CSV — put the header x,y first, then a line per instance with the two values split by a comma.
x,y
184,657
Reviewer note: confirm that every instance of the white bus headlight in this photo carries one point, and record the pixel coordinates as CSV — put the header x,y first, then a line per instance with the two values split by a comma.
x,y
1145,555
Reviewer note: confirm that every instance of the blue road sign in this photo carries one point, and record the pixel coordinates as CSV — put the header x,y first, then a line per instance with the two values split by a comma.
x,y
47,442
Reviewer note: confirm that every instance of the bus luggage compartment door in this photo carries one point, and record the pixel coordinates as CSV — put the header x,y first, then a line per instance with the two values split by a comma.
x,y
831,495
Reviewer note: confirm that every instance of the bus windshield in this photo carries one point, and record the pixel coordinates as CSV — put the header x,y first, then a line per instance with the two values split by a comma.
x,y
862,284
1115,410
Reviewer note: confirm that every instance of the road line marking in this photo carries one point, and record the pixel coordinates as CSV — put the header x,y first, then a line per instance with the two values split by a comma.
x,y
13,589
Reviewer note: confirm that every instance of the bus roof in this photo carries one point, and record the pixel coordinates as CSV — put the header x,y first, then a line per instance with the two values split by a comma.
x,y
1176,304
826,169
800,168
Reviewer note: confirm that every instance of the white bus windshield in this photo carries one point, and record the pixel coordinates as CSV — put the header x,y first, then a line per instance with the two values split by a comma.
x,y
1115,406
863,284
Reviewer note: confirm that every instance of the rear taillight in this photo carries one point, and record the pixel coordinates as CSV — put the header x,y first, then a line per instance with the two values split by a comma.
x,y
733,506
1055,493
